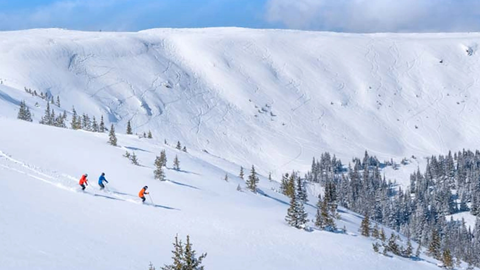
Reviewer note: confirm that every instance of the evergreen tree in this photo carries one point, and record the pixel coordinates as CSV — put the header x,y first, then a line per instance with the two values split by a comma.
x,y
270,177
150,135
129,128
94,125
134,159
382,235
376,247
127,155
58,101
86,124
408,252
392,244
101,128
241,173
163,158
158,172
184,149
179,146
24,112
435,245
252,180
239,188
76,121
47,117
301,190
112,137
226,178
296,215
319,220
365,226
419,250
375,232
184,257
447,259
176,164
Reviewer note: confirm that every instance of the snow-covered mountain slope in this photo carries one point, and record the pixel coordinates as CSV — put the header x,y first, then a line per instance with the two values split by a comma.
x,y
272,98
47,223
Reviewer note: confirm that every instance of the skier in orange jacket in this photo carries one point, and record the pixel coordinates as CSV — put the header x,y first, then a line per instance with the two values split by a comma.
x,y
142,193
83,181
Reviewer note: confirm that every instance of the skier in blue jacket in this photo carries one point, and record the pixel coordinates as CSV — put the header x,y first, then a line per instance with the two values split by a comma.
x,y
101,179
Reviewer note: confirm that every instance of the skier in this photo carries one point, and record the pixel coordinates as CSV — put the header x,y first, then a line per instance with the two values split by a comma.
x,y
83,181
101,179
142,193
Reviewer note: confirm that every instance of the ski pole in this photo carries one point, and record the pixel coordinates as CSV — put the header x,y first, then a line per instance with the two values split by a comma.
x,y
150,198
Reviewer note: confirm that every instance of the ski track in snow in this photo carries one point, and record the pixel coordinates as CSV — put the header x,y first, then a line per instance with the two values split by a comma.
x,y
67,182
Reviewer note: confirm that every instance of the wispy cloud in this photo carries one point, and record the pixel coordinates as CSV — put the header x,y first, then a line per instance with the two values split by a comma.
x,y
376,15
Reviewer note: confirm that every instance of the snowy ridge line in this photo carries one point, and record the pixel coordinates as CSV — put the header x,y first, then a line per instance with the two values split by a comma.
x,y
36,174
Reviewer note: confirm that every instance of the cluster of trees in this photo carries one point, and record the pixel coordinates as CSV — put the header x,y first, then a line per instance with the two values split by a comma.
x,y
294,187
160,162
45,96
132,157
84,122
251,182
184,257
49,118
24,112
449,185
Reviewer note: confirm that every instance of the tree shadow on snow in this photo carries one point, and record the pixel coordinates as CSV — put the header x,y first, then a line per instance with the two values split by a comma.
x,y
261,192
136,149
182,171
162,206
107,197
181,184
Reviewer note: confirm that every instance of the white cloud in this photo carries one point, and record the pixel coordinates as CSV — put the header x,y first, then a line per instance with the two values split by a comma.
x,y
376,15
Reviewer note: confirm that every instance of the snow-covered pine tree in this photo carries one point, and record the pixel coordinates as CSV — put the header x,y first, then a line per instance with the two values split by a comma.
x,y
86,123
47,117
24,112
94,124
158,172
101,128
375,232
184,149
252,180
434,248
163,158
242,174
365,226
134,159
270,177
392,244
176,163
75,120
58,101
179,146
301,190
419,250
408,252
184,257
226,178
112,136
296,215
447,259
129,128
319,220
149,135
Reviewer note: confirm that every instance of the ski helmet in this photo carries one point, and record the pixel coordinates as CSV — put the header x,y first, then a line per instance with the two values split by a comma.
x,y
103,173
86,174
145,187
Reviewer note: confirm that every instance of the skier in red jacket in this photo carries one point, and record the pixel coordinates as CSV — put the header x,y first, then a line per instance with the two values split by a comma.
x,y
83,181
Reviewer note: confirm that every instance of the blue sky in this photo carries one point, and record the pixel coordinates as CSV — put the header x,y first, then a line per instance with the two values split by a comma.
x,y
322,15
